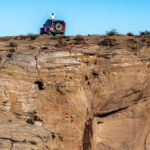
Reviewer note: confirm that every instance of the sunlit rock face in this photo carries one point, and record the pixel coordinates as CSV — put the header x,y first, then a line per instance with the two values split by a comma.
x,y
75,93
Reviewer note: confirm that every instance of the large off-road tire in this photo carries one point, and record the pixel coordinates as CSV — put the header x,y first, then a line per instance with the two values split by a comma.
x,y
58,26
49,33
63,33
54,34
41,31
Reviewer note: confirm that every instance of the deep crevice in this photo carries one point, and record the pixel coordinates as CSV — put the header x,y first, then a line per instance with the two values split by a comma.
x,y
53,136
40,85
89,54
95,74
29,121
33,142
87,136
102,115
145,140
14,141
36,118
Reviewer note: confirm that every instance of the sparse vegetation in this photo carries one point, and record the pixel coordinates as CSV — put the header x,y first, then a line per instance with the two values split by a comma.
x,y
13,44
130,34
22,37
9,55
112,32
143,40
134,44
145,32
32,36
28,36
12,50
79,38
108,42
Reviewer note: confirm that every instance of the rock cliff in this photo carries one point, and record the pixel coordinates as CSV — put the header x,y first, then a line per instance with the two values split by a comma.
x,y
75,93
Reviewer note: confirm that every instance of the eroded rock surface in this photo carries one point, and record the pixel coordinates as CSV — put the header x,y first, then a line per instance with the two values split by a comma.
x,y
75,93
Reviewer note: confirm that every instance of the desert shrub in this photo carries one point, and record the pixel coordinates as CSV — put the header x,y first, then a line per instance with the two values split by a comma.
x,y
130,34
143,40
12,50
22,37
32,36
9,55
134,45
108,42
13,44
145,32
4,38
112,32
79,38
68,39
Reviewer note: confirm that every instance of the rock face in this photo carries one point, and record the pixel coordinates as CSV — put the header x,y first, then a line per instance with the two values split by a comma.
x,y
75,93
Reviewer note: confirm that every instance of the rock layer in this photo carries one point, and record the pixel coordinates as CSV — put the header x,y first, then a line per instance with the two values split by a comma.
x,y
78,93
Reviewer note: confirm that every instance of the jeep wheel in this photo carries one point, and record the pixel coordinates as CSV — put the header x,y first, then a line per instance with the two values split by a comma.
x,y
62,33
41,32
58,26
54,34
49,33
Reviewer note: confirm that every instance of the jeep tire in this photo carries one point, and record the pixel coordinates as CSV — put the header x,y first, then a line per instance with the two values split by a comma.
x,y
49,33
41,31
58,26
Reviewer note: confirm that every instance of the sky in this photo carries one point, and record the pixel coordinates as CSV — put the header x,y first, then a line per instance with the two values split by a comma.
x,y
21,17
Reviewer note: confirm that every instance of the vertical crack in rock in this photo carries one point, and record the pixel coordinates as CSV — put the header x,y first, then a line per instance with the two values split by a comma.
x,y
87,136
39,83
37,68
145,140
11,145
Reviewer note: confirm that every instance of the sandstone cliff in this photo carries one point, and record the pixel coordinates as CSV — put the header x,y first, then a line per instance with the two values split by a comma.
x,y
75,93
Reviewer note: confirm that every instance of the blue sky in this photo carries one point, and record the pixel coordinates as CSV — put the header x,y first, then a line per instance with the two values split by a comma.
x,y
82,16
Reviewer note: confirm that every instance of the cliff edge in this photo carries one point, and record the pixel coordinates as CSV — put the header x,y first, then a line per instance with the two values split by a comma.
x,y
75,93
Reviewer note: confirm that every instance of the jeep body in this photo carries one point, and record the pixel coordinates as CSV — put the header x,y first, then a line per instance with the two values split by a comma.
x,y
53,27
